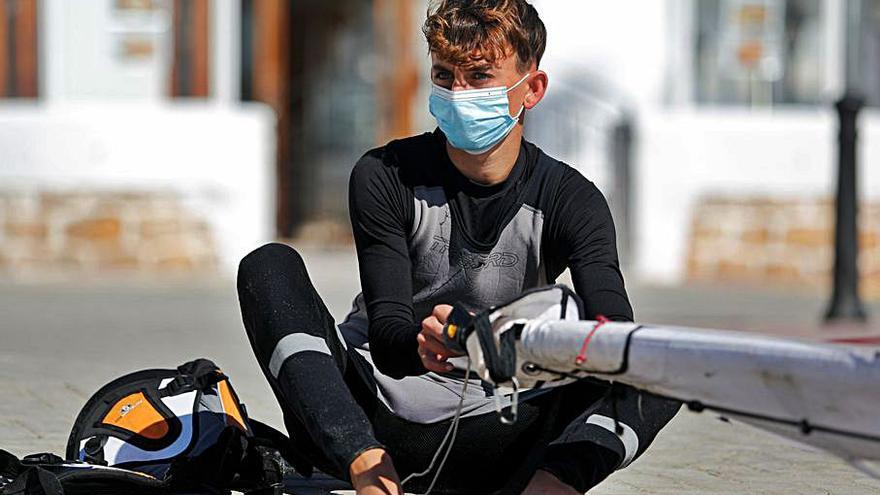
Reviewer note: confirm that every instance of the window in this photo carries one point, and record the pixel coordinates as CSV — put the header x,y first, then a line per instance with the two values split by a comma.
x,y
870,53
759,52
314,63
18,49
189,69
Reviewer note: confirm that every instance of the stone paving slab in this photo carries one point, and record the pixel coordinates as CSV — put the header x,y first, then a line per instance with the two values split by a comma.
x,y
60,343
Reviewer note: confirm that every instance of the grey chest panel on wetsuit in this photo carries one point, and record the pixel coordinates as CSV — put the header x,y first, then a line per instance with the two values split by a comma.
x,y
447,270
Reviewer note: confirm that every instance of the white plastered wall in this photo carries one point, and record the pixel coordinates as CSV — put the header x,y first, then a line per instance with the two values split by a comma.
x,y
104,123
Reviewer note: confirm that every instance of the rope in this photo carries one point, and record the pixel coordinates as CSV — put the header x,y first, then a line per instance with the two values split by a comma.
x,y
452,431
582,354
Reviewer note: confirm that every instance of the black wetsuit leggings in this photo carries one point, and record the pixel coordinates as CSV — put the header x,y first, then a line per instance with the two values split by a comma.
x,y
332,412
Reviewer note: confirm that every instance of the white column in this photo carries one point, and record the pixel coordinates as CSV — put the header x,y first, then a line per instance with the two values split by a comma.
x,y
833,20
225,37
678,78
50,36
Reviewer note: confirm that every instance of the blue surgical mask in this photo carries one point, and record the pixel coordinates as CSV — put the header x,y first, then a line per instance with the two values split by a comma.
x,y
474,120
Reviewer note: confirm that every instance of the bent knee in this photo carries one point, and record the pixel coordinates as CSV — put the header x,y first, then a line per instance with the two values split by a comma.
x,y
271,258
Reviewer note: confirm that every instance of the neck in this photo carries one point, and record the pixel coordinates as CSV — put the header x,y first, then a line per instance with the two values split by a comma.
x,y
491,167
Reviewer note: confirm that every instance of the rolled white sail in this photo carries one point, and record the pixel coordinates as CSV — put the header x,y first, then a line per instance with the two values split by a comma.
x,y
824,395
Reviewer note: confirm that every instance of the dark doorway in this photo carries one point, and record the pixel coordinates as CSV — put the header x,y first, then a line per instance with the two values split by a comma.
x,y
324,98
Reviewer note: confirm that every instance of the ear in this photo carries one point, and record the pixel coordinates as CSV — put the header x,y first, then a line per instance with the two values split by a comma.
x,y
537,88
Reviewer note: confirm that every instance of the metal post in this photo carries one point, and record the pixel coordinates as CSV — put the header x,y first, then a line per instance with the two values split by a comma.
x,y
845,303
621,199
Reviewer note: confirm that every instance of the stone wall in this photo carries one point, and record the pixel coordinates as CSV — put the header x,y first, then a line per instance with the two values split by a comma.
x,y
782,243
76,232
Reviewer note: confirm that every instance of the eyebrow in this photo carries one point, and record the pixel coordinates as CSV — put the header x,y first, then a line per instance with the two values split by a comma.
x,y
479,68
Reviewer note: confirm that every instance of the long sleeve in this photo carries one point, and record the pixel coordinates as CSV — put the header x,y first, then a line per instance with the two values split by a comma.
x,y
380,214
583,237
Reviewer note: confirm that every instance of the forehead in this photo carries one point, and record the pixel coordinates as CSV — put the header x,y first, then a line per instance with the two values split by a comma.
x,y
507,62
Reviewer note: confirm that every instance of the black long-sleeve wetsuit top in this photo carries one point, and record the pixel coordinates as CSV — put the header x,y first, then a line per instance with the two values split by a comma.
x,y
427,235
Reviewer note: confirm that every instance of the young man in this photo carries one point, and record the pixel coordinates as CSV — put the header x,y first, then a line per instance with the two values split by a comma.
x,y
470,214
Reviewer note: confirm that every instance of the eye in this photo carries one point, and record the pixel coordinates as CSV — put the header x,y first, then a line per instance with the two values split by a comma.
x,y
442,75
480,79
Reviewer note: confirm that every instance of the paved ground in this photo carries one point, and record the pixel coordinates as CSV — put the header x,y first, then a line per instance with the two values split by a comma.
x,y
60,342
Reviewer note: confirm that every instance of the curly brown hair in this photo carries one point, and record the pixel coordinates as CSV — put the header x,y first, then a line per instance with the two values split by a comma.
x,y
466,32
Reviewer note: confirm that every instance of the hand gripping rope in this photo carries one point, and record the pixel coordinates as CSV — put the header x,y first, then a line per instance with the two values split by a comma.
x,y
501,365
500,361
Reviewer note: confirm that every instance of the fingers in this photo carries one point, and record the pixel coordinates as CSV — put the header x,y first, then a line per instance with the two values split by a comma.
x,y
433,354
372,472
441,312
432,331
432,364
431,346
433,327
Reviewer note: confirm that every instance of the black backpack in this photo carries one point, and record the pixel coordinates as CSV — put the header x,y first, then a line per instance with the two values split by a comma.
x,y
48,474
161,431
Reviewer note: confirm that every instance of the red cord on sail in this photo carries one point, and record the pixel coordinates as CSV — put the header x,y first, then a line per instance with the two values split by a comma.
x,y
582,355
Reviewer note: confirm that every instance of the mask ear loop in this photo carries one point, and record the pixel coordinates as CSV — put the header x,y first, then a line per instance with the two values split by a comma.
x,y
518,82
522,107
